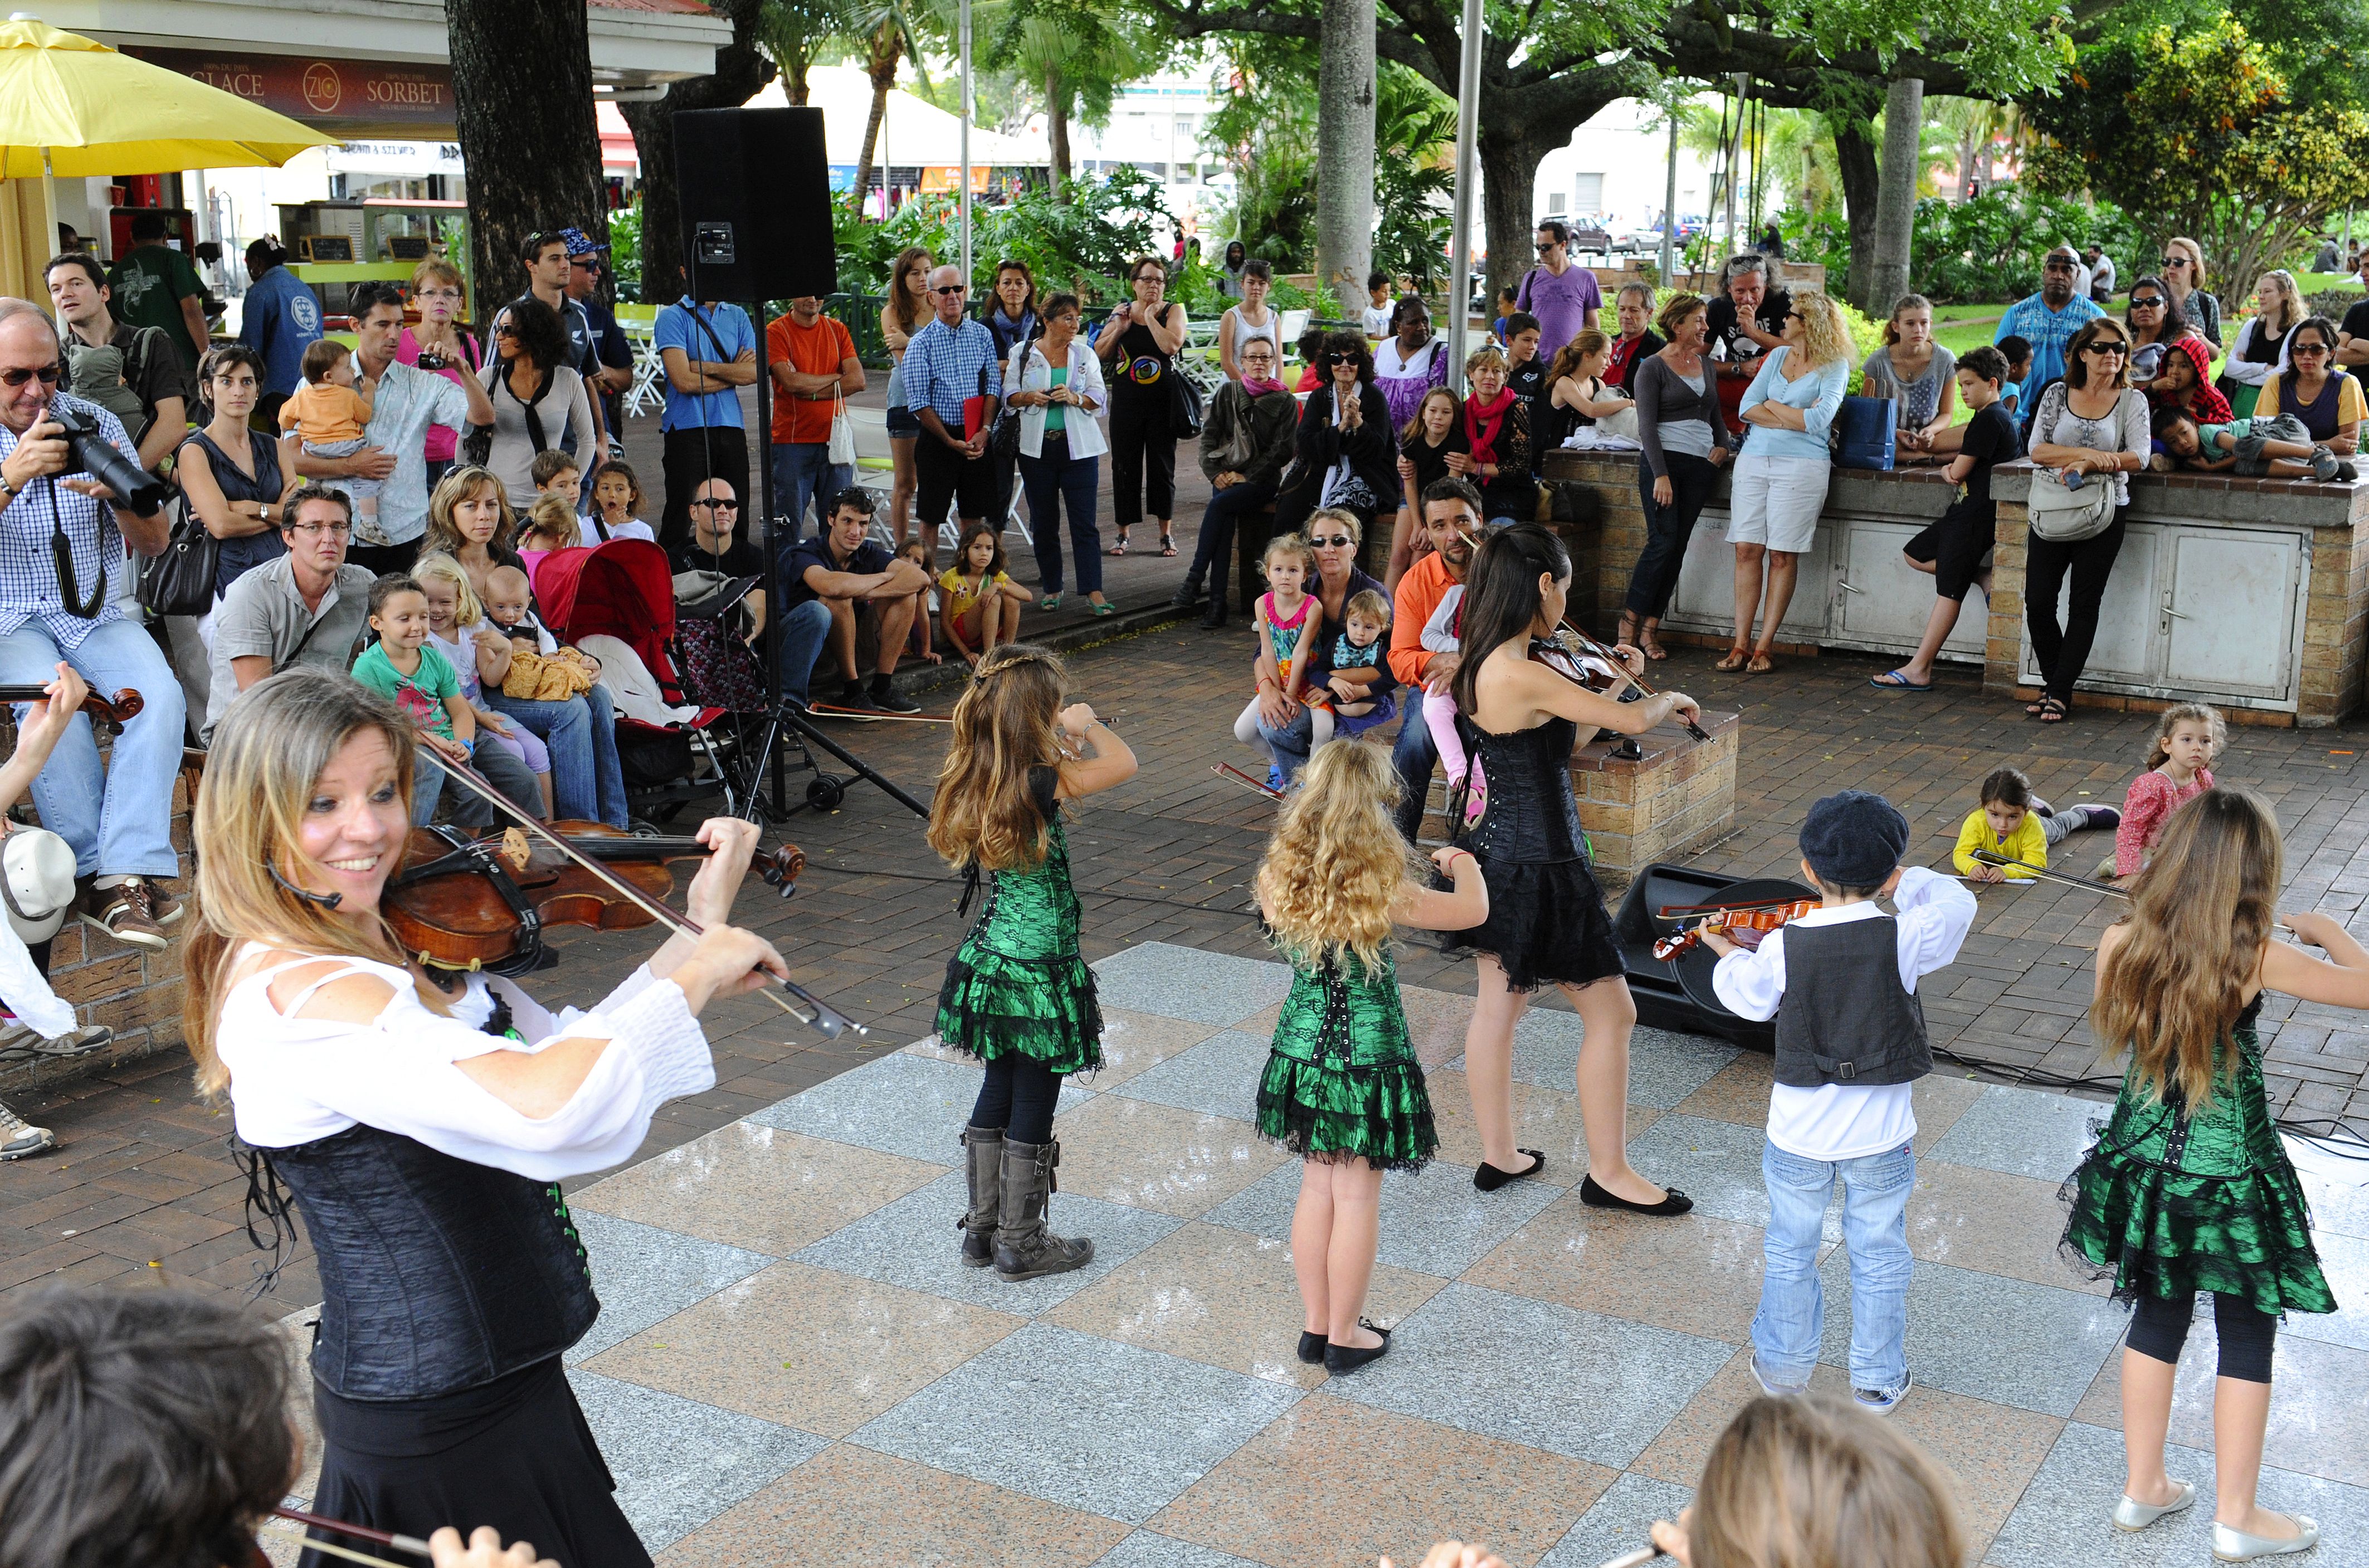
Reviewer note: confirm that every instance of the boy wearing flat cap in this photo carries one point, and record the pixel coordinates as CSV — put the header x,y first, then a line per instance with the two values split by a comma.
x,y
1841,982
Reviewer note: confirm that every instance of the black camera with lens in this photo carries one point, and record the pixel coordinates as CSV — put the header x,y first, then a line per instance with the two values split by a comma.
x,y
89,452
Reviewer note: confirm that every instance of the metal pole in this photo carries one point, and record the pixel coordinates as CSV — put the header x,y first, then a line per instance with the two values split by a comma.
x,y
966,140
1468,101
1670,208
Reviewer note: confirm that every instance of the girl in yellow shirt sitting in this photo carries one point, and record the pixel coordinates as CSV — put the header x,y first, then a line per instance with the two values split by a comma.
x,y
2015,824
981,607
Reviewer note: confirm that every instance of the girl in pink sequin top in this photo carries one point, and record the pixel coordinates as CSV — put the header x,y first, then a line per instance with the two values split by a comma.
x,y
2189,735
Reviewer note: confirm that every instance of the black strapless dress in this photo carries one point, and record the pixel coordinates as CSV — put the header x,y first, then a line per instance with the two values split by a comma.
x,y
1547,921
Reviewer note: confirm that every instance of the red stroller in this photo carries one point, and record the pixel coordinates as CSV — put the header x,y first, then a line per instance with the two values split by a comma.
x,y
625,590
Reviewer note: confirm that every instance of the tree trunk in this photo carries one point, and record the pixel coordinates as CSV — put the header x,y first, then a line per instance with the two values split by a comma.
x,y
883,70
1855,161
1057,128
1345,148
1966,145
533,157
741,69
795,88
1895,199
1509,174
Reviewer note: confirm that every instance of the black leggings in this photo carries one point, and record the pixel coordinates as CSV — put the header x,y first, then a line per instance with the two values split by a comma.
x,y
1018,1098
2160,1327
2064,654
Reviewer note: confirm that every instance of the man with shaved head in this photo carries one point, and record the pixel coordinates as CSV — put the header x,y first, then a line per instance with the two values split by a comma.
x,y
952,359
60,538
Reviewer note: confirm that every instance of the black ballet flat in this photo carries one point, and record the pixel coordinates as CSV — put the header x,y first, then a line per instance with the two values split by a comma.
x,y
1673,1201
1340,1359
1313,1348
1488,1178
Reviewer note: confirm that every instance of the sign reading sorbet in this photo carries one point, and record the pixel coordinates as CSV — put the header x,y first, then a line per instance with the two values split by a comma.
x,y
355,94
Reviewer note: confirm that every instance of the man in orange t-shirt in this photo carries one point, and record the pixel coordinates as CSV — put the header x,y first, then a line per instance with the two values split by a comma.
x,y
814,365
1452,514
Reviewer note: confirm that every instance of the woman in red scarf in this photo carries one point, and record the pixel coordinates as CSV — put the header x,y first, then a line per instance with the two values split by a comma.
x,y
1497,432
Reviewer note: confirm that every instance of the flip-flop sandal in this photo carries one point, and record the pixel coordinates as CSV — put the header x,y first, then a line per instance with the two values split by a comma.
x,y
1105,608
1050,602
1167,545
2052,712
1892,680
1118,549
1761,665
1735,661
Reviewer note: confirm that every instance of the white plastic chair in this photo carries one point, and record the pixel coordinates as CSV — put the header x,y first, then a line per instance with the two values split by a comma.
x,y
648,388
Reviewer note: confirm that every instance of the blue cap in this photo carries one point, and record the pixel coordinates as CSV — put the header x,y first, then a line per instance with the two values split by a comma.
x,y
580,244
1854,839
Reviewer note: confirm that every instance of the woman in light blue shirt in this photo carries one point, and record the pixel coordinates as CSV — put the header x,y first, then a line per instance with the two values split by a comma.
x,y
1781,476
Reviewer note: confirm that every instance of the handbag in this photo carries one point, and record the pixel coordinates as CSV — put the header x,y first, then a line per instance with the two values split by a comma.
x,y
842,452
2068,517
180,581
1184,406
1863,433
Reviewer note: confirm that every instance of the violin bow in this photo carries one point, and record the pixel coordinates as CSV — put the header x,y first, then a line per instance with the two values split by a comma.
x,y
1228,771
818,1012
412,1544
1991,857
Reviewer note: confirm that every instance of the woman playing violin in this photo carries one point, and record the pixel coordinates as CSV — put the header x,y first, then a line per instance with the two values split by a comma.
x,y
423,1134
1547,922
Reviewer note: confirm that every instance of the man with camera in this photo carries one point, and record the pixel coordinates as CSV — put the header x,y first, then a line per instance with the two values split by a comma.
x,y
69,481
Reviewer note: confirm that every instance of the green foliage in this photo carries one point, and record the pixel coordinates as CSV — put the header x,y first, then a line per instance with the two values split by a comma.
x,y
1415,177
1265,130
2201,131
626,251
1988,249
1081,244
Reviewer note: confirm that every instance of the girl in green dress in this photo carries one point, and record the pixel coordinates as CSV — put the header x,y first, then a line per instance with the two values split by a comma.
x,y
2188,1188
1342,1086
1018,995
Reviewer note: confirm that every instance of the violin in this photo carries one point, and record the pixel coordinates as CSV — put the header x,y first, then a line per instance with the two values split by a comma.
x,y
463,903
1744,924
118,709
1564,630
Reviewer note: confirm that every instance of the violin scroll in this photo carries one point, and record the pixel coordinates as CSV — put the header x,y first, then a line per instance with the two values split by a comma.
x,y
119,708
780,869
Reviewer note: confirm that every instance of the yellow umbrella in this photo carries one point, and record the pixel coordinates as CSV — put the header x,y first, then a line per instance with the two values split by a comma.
x,y
71,106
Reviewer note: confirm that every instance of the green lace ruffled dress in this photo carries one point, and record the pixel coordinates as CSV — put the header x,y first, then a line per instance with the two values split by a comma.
x,y
1017,985
2166,1205
1343,1078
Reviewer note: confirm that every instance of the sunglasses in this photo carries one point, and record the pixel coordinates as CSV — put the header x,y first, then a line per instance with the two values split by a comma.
x,y
2114,350
1324,540
1548,244
2171,261
2145,302
2312,349
1339,358
47,374
718,505
953,289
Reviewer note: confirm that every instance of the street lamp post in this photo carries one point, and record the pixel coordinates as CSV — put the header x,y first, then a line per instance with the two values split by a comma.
x,y
1468,101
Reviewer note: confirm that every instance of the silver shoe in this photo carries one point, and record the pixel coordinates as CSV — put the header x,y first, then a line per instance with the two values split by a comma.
x,y
19,1137
2130,1514
2235,1546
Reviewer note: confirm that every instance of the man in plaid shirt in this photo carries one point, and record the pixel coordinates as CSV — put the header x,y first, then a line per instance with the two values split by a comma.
x,y
949,360
117,819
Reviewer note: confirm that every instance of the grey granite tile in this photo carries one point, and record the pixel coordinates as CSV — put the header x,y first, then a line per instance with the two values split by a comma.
x,y
680,1463
1220,1077
644,1274
1663,1067
2345,1261
2023,1132
1619,1523
899,1103
2336,1204
1145,1549
1717,1164
1182,982
1574,1383
1434,1221
1081,1421
2063,1519
2008,1341
913,1243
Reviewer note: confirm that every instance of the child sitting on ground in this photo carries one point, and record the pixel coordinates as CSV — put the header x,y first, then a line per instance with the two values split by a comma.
x,y
328,413
982,604
1443,634
1342,1087
1841,983
1281,615
2015,824
2278,447
457,629
2187,737
532,672
917,641
1355,694
617,503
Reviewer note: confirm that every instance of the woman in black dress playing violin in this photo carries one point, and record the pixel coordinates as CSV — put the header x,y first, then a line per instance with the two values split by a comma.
x,y
1547,922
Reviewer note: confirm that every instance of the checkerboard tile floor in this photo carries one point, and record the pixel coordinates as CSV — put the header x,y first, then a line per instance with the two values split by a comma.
x,y
790,1368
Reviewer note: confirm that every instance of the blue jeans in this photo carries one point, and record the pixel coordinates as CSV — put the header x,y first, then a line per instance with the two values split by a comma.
x,y
1414,756
1213,557
1291,743
804,471
117,819
806,628
588,782
494,764
1048,483
1787,1330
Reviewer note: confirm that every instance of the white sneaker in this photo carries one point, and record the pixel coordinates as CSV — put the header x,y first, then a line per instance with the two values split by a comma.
x,y
19,1137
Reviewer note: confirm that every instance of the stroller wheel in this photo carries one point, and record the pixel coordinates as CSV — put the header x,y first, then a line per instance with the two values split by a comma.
x,y
825,791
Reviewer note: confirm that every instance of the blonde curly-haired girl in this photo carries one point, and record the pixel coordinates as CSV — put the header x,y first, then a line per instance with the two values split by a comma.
x,y
1342,1087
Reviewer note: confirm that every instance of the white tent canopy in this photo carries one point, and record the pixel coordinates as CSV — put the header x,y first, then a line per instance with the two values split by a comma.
x,y
913,131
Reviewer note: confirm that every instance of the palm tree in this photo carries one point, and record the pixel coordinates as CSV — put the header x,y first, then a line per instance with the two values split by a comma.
x,y
1080,52
887,34
800,35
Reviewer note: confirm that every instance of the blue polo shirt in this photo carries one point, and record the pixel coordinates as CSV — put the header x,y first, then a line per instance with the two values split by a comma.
x,y
281,318
688,327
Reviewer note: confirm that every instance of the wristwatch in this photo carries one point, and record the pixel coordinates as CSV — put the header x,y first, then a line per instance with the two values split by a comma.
x,y
9,491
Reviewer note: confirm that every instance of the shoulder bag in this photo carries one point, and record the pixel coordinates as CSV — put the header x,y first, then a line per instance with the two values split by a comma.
x,y
180,581
2068,517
